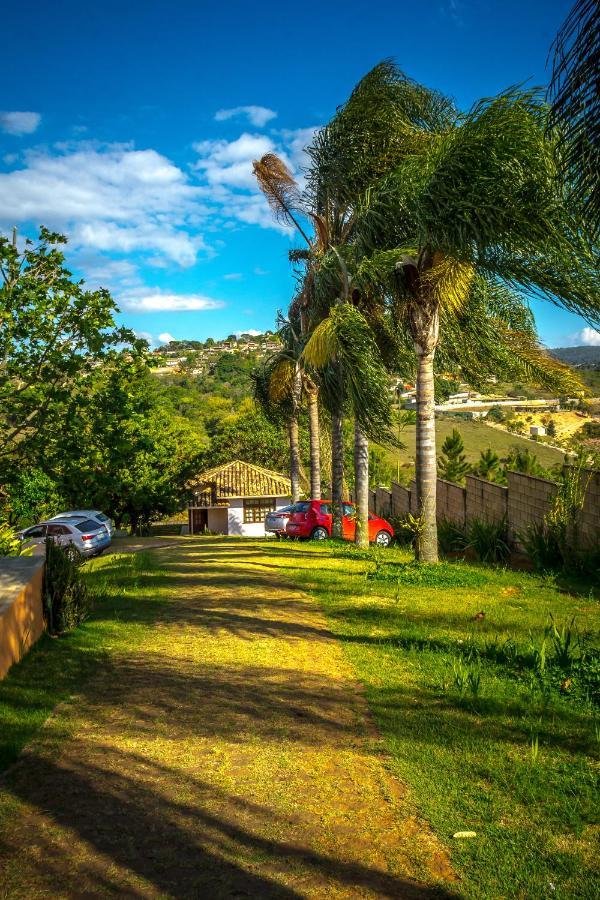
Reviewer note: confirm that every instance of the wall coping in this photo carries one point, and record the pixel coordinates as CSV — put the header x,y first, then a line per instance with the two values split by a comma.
x,y
531,477
15,574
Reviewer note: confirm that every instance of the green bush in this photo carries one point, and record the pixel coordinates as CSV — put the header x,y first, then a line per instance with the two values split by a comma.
x,y
541,547
66,597
452,537
488,540
10,545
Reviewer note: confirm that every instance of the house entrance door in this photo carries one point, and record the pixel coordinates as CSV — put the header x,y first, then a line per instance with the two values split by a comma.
x,y
199,521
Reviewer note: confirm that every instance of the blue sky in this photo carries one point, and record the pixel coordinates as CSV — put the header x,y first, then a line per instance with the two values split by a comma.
x,y
132,127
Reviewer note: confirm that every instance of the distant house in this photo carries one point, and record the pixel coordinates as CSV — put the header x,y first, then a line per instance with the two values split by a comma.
x,y
537,430
235,498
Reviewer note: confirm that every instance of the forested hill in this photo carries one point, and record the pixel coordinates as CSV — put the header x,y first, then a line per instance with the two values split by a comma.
x,y
588,357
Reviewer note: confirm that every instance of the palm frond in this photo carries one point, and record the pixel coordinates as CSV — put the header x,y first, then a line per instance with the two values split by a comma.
x,y
449,281
281,190
575,95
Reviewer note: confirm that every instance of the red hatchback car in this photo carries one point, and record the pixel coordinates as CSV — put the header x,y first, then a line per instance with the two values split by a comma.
x,y
312,519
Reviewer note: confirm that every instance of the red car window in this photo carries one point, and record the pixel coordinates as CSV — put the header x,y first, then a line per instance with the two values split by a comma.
x,y
325,509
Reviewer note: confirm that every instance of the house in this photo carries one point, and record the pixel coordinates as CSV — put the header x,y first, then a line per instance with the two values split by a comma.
x,y
235,498
537,430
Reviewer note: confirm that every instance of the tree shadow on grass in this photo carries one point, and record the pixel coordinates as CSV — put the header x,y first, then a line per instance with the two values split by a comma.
x,y
119,826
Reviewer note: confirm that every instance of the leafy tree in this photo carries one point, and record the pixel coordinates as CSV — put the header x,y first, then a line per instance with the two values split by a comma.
x,y
526,462
54,333
452,464
120,449
248,435
31,497
496,414
551,428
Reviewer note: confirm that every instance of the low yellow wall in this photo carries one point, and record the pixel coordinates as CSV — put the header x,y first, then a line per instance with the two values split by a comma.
x,y
21,613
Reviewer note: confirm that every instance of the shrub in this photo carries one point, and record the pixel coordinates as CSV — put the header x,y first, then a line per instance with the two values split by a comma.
x,y
452,464
541,547
406,529
66,598
488,540
10,545
452,537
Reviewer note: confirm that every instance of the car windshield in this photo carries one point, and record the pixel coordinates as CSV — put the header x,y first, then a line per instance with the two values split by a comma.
x,y
87,525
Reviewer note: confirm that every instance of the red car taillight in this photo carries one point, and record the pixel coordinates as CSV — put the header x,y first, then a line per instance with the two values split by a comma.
x,y
87,537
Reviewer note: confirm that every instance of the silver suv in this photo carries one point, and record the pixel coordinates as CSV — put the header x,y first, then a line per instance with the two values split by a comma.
x,y
88,536
82,514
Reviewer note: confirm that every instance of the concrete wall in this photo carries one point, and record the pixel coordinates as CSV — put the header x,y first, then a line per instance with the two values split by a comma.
x,y
524,501
21,611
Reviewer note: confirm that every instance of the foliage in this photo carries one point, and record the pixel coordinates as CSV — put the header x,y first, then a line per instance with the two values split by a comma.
x,y
576,103
541,546
496,414
452,464
10,545
32,497
488,465
452,537
488,540
66,597
54,333
121,449
524,461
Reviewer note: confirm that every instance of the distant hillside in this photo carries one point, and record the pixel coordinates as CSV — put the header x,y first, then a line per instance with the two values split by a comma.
x,y
587,357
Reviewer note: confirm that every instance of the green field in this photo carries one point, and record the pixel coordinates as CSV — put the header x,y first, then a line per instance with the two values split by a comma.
x,y
476,436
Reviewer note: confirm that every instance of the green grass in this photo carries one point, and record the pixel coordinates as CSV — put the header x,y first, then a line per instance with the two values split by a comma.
x,y
56,669
476,436
483,742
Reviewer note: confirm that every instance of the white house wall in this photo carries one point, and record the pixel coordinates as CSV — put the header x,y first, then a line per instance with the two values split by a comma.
x,y
217,520
236,523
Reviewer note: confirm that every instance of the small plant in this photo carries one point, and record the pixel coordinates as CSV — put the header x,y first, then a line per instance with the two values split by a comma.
x,y
488,540
451,537
541,547
564,640
534,747
452,464
467,677
407,529
66,598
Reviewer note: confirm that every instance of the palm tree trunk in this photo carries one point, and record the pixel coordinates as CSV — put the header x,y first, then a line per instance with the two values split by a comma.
x,y
294,458
315,445
361,486
337,472
426,463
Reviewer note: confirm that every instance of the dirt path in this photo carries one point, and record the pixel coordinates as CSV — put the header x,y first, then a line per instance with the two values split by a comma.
x,y
228,754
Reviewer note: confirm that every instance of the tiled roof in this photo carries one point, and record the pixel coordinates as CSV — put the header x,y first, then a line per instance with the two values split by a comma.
x,y
238,479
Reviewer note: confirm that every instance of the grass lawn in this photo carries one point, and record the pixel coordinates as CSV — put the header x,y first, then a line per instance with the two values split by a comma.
x,y
476,436
483,744
204,676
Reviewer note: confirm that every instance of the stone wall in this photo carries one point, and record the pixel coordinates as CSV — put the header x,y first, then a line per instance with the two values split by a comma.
x,y
21,612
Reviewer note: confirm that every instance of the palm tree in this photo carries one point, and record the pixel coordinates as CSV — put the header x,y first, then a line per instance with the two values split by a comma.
x,y
475,207
575,96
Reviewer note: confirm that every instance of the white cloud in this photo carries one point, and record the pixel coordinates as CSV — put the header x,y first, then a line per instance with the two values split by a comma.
x,y
146,299
251,331
256,115
233,276
258,271
19,122
165,338
110,198
225,168
588,336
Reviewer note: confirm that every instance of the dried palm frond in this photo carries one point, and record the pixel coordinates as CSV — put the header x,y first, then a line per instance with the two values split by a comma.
x,y
281,381
281,190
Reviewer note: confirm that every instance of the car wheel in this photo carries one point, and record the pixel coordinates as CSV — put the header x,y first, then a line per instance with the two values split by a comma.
x,y
383,539
73,553
320,534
